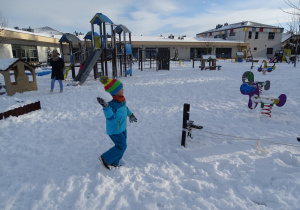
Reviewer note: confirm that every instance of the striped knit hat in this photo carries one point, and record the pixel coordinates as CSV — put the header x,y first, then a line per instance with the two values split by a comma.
x,y
111,85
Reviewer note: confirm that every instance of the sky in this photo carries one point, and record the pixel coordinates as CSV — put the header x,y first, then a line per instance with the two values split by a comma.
x,y
143,17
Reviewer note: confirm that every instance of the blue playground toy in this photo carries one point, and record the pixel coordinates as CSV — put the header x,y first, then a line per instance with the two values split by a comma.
x,y
254,91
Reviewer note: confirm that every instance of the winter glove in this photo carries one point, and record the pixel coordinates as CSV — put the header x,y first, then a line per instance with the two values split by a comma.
x,y
102,102
132,118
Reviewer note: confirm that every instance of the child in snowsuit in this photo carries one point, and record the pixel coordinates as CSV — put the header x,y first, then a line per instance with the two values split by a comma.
x,y
116,113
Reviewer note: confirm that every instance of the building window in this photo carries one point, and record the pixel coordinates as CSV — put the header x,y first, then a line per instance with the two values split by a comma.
x,y
198,52
250,35
269,51
271,35
231,32
223,52
255,49
25,52
256,35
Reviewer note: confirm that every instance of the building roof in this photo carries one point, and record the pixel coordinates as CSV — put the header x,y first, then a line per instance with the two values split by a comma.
x,y
285,36
47,30
242,24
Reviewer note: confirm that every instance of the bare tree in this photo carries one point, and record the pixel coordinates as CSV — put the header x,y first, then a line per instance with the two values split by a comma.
x,y
294,24
208,43
293,6
3,23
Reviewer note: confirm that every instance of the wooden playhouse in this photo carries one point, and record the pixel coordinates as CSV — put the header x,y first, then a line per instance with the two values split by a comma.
x,y
19,76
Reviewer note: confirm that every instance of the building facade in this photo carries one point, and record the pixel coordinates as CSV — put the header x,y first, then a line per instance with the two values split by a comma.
x,y
29,46
188,47
224,41
263,39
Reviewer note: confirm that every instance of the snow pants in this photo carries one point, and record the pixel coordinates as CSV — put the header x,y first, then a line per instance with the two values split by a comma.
x,y
114,154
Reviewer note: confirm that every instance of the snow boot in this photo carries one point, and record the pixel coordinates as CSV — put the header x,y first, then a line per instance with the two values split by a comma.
x,y
116,165
104,163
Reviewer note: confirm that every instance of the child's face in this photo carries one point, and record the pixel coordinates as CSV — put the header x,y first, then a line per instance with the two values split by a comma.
x,y
120,93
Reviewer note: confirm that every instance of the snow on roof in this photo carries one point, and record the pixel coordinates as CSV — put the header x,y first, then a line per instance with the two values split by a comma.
x,y
239,25
6,62
185,39
285,37
33,33
48,30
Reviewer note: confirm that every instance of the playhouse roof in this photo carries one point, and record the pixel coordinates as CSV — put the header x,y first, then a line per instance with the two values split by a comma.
x,y
100,18
69,38
5,63
120,28
89,35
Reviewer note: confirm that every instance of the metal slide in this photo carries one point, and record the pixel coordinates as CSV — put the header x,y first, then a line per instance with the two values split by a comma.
x,y
88,66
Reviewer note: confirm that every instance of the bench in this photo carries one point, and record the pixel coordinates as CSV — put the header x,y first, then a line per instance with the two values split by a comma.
x,y
201,67
219,67
211,68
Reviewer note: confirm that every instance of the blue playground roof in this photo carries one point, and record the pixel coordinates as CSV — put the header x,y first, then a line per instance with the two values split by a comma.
x,y
69,38
89,35
100,18
120,28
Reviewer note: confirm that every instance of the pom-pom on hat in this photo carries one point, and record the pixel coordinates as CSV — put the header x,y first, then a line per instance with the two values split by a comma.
x,y
111,85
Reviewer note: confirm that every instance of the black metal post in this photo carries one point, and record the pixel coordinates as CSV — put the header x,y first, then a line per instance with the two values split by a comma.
x,y
186,117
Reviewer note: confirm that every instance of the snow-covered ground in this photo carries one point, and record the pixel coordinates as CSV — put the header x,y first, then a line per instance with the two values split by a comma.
x,y
241,159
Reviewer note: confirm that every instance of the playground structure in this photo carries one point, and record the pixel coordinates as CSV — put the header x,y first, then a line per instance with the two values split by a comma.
x,y
147,59
239,56
254,91
71,40
15,76
212,60
123,51
266,68
158,59
281,56
105,47
249,57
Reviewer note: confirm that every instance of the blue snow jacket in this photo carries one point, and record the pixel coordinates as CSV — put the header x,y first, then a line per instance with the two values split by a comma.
x,y
116,117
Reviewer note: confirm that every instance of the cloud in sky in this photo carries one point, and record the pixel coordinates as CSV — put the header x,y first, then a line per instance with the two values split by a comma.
x,y
143,17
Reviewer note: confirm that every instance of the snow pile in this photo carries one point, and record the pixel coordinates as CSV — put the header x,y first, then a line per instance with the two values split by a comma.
x,y
241,159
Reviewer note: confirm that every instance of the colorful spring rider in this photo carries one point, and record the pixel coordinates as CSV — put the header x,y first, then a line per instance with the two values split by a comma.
x,y
254,91
266,68
248,77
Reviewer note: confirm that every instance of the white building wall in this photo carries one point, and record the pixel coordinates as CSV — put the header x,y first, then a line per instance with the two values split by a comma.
x,y
183,52
263,42
6,51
